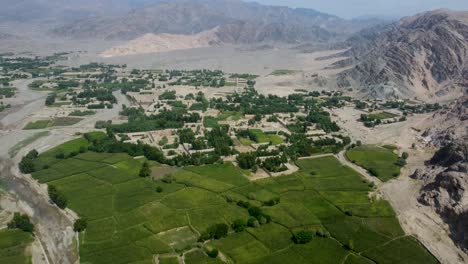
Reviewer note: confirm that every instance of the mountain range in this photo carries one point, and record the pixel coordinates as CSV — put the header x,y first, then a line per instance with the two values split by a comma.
x,y
424,56
237,22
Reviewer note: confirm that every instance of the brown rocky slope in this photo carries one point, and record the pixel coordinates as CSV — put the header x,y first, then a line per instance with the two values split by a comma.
x,y
445,178
424,56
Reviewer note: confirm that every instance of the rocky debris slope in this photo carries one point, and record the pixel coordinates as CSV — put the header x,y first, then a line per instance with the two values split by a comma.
x,y
446,189
449,124
424,56
445,178
238,22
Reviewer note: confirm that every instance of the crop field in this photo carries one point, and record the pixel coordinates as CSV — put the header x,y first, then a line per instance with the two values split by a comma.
x,y
132,219
13,244
39,124
262,137
382,115
281,72
59,121
376,159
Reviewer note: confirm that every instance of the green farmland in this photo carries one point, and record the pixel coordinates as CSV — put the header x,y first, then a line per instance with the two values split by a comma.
x,y
132,219
380,161
13,244
59,121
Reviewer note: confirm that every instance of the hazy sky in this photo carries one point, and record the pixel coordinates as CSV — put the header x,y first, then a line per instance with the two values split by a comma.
x,y
355,8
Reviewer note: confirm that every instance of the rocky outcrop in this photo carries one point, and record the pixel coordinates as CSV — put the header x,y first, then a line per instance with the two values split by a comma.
x,y
445,178
424,56
449,124
447,193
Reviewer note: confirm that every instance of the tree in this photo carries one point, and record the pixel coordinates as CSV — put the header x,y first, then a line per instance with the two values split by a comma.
x,y
80,225
22,222
57,197
213,253
350,244
145,170
33,154
358,143
239,225
303,237
405,155
215,232
26,165
246,160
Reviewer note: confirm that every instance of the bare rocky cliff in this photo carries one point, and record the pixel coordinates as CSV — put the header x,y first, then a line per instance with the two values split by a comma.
x,y
424,56
445,178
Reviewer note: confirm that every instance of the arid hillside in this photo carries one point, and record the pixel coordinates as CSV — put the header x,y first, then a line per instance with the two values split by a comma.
x,y
424,56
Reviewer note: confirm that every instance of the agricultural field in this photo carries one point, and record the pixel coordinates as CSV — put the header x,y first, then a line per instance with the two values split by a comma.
x,y
379,161
259,136
13,246
382,115
131,219
58,121
283,72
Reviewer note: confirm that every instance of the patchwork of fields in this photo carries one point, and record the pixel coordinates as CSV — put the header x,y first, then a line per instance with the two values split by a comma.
x,y
130,220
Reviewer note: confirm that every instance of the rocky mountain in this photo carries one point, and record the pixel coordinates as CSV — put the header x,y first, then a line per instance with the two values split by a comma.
x,y
445,178
237,22
424,56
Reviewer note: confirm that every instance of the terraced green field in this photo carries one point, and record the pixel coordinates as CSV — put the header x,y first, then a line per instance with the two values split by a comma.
x,y
378,160
13,244
129,221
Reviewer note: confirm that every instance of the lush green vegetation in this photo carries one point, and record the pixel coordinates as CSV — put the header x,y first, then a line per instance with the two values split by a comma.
x,y
379,161
13,244
322,207
82,113
7,92
39,124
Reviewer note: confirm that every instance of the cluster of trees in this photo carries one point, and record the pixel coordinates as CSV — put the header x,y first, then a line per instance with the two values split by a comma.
x,y
401,161
80,225
139,122
145,170
219,139
21,221
26,164
57,196
50,100
275,164
323,121
168,95
257,216
247,161
100,94
303,237
7,92
217,231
